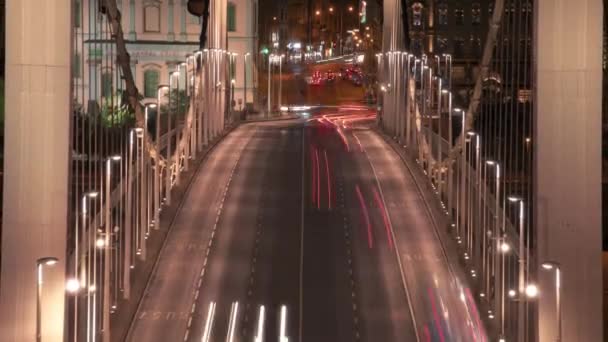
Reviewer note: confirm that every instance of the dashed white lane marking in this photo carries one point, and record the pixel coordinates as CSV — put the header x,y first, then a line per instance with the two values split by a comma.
x,y
350,264
210,245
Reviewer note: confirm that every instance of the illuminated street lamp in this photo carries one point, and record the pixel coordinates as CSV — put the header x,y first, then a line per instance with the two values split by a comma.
x,y
40,264
104,244
497,231
281,79
72,285
245,79
157,174
269,82
521,273
555,266
531,291
84,210
318,13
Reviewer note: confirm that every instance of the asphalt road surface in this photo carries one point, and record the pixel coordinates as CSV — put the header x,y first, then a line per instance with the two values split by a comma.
x,y
305,230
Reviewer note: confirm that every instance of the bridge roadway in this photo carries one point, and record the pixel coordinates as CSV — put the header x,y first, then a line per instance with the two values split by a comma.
x,y
320,216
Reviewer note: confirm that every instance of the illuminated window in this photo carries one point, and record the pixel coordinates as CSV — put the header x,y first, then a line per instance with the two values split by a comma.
x,y
459,16
476,45
442,12
476,13
417,14
442,44
524,95
231,22
151,77
152,16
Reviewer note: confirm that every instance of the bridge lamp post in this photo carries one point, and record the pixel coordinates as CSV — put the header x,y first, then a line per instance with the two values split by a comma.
x,y
169,137
504,248
245,79
106,245
149,200
85,198
281,79
449,170
232,81
135,136
460,198
157,172
555,266
269,82
40,264
522,262
497,232
472,134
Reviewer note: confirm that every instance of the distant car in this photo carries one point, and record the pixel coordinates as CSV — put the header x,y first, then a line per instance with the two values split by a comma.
x,y
330,76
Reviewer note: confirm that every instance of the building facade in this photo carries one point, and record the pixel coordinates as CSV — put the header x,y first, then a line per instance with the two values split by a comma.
x,y
439,27
159,35
242,26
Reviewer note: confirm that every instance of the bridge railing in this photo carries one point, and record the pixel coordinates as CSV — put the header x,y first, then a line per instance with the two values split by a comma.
x,y
477,162
124,169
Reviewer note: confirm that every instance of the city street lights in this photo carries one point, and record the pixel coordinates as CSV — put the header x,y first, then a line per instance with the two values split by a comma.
x,y
555,266
497,232
232,82
269,83
40,263
449,167
84,210
459,198
169,137
245,79
522,262
107,247
281,79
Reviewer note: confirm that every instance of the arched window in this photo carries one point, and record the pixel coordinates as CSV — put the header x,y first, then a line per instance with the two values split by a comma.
x,y
151,79
231,20
152,16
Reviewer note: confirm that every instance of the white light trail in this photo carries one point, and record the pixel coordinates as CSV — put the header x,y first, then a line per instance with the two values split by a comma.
x,y
282,337
209,323
232,323
261,317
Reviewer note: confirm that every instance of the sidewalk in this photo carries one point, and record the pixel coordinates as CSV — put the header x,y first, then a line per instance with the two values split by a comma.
x,y
122,318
